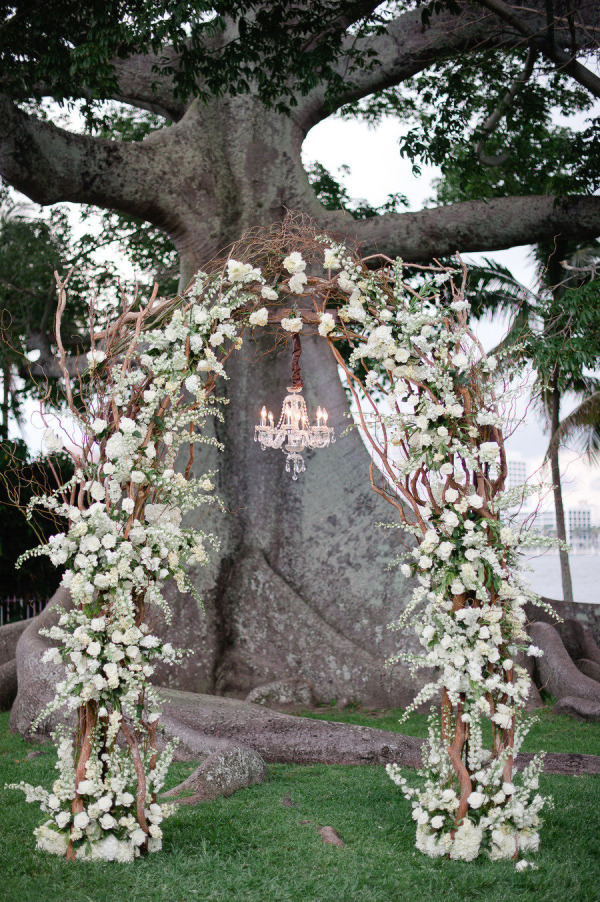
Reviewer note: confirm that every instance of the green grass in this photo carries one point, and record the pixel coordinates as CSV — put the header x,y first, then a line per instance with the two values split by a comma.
x,y
251,848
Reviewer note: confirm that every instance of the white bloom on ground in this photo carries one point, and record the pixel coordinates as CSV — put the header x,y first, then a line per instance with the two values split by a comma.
x,y
259,317
467,841
269,294
291,324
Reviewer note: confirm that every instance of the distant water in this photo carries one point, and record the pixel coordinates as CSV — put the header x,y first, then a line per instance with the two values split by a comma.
x,y
544,576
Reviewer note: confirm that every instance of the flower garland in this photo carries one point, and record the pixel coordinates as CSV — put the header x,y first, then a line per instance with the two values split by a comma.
x,y
146,394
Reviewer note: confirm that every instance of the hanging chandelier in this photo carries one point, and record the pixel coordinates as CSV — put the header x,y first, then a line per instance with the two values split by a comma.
x,y
293,432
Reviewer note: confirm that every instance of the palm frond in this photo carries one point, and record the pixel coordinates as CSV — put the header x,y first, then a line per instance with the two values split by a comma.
x,y
583,425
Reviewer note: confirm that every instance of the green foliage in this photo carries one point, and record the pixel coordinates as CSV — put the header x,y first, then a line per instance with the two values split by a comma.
x,y
213,48
22,477
31,250
251,847
334,195
447,105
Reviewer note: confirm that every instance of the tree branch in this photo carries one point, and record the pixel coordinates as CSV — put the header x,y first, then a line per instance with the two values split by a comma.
x,y
406,48
51,165
498,223
545,35
138,86
505,104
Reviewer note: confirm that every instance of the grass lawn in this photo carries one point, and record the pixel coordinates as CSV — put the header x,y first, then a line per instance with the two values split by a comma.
x,y
252,848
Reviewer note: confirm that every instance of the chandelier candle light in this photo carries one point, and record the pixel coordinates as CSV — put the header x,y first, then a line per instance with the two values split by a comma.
x,y
293,426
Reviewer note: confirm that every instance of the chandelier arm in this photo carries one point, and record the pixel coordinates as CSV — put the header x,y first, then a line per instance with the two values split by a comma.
x,y
297,383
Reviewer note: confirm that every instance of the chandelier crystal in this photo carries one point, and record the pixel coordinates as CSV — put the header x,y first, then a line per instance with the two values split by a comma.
x,y
293,432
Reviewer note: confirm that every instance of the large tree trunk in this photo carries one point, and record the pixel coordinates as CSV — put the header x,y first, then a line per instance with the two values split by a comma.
x,y
300,585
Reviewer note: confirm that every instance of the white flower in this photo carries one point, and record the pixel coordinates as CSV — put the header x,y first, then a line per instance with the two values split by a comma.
x,y
345,282
437,822
236,270
97,491
138,837
127,425
476,799
128,505
327,324
52,441
292,324
467,841
331,261
62,819
294,263
269,294
259,317
99,425
460,361
297,282
94,358
81,820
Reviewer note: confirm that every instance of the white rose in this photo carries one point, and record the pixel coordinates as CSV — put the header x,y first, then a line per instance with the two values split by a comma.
x,y
97,491
269,294
259,317
326,325
292,324
476,799
52,441
99,425
81,820
297,282
294,263
62,819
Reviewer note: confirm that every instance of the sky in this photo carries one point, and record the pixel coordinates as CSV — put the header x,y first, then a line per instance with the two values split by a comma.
x,y
377,170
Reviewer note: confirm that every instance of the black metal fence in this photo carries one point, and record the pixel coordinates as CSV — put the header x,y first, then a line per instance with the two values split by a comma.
x,y
13,609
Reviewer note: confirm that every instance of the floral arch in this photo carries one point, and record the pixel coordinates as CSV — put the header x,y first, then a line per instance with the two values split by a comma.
x,y
400,335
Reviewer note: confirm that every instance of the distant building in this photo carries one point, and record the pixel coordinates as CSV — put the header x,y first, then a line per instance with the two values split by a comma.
x,y
518,472
578,524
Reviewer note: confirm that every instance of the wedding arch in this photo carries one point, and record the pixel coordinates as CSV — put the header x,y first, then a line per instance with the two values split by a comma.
x,y
425,396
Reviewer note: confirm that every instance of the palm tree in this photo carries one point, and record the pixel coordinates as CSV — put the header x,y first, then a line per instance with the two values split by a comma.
x,y
556,329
